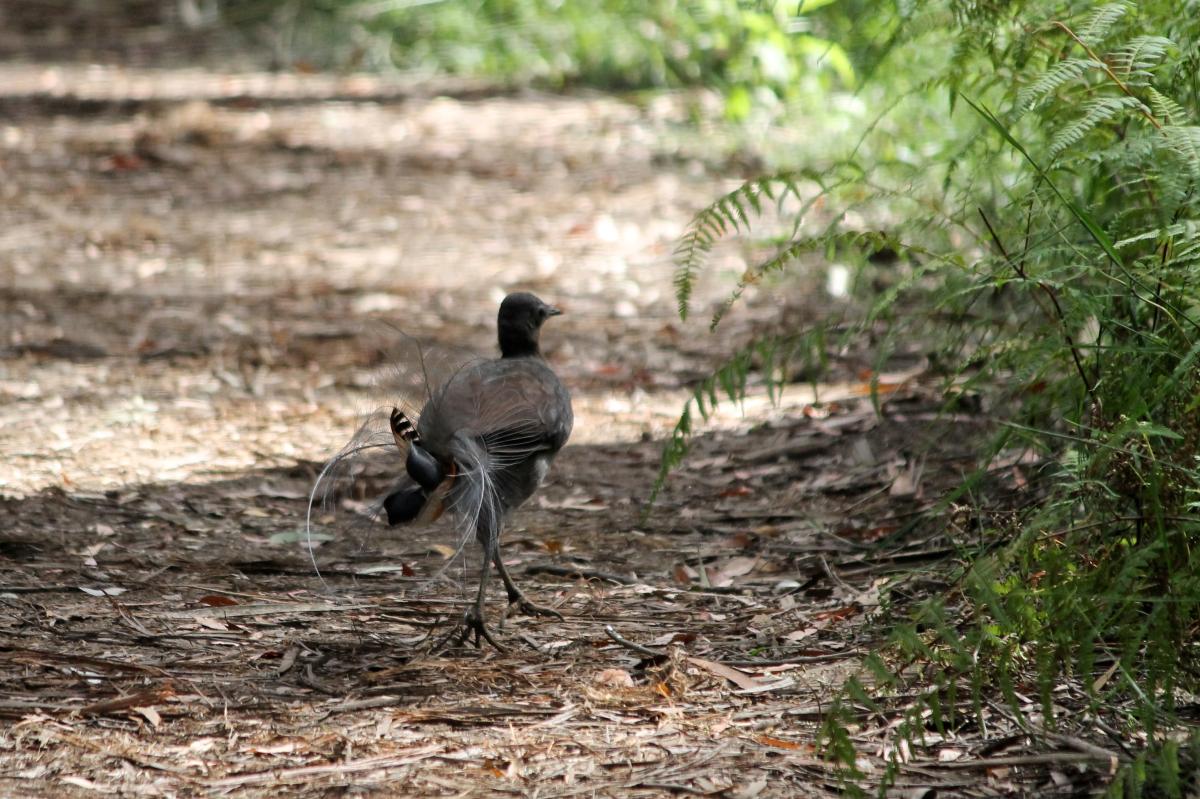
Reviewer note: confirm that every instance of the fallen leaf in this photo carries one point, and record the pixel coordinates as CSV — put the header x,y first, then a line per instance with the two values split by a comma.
x,y
836,615
386,568
122,162
281,748
574,502
780,743
443,550
684,574
120,704
800,635
110,591
150,714
739,678
1103,679
908,481
750,790
949,755
217,601
87,785
614,678
734,567
878,532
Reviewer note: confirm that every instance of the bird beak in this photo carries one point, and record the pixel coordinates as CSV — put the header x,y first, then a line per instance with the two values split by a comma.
x,y
552,311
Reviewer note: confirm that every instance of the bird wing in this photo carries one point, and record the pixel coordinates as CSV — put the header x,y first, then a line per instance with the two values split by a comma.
x,y
515,407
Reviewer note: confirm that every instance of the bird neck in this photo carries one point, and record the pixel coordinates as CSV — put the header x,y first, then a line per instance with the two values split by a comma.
x,y
516,343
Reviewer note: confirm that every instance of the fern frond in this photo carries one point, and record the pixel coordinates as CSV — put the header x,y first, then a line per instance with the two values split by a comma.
x,y
1167,110
1096,112
728,215
1135,60
1184,141
831,241
1186,251
1100,22
1054,78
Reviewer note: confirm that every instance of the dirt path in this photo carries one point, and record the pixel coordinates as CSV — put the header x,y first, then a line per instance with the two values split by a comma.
x,y
186,288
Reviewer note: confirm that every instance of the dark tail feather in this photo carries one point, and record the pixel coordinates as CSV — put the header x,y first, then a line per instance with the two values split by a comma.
x,y
424,468
403,429
420,464
418,504
404,505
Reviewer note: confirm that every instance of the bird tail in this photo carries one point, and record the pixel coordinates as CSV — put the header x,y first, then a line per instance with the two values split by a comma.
x,y
350,477
475,499
403,430
351,487
387,470
425,500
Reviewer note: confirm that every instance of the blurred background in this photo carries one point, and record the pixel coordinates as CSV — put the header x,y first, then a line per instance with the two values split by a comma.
x,y
214,195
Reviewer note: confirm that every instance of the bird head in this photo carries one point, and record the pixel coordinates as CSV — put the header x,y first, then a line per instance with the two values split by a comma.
x,y
520,322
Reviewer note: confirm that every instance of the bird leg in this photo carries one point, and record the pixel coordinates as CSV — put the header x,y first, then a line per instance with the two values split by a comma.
x,y
473,621
516,597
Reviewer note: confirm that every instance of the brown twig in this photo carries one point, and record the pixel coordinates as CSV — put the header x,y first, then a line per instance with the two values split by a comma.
x,y
630,645
1087,747
380,762
581,574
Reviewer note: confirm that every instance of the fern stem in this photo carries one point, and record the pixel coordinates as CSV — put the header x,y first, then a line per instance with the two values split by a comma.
x,y
1108,70
1088,385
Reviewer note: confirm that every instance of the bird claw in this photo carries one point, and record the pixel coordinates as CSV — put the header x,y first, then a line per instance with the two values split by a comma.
x,y
471,624
519,602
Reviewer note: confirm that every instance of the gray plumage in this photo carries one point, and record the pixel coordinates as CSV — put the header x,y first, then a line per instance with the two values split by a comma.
x,y
482,445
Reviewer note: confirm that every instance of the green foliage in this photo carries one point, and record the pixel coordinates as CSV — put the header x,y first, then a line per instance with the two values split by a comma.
x,y
754,52
1170,769
728,215
1056,201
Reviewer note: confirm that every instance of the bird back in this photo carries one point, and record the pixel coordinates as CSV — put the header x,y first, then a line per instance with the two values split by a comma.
x,y
494,425
500,423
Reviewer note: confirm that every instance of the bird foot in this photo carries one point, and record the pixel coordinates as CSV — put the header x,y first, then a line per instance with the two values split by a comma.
x,y
519,602
472,624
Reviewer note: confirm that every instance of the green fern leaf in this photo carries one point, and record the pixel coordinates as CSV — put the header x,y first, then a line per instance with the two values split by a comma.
x,y
1135,60
1100,22
1053,79
726,216
1096,112
1167,110
1184,140
730,383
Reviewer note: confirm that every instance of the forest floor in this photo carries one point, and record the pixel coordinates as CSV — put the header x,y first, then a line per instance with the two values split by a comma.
x,y
198,276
